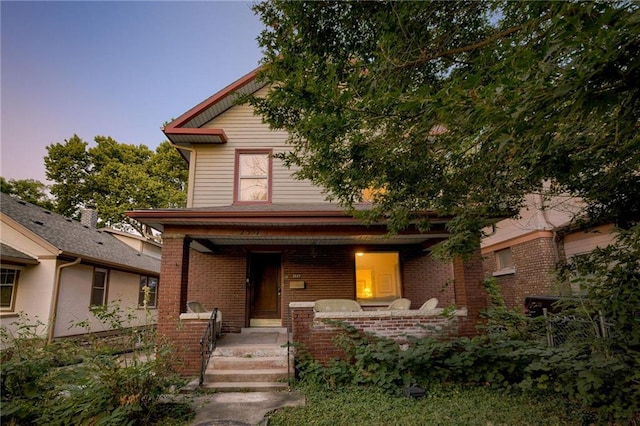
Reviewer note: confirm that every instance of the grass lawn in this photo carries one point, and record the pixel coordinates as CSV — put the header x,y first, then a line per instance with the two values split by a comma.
x,y
445,406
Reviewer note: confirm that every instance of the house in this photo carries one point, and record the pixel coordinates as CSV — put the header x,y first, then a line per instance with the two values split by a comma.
x,y
263,247
54,269
523,253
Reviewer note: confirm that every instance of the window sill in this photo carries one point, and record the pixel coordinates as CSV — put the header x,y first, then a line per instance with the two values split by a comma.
x,y
9,314
506,271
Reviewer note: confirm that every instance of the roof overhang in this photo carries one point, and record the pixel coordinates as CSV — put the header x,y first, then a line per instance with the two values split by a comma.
x,y
229,226
187,130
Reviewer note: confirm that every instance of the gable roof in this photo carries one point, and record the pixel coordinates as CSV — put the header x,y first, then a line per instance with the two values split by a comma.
x,y
9,254
187,129
75,239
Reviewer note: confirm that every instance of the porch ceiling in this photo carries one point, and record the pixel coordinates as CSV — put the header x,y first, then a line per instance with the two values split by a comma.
x,y
206,243
282,225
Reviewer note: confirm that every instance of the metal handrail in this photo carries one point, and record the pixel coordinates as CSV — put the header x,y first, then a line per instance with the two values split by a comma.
x,y
208,344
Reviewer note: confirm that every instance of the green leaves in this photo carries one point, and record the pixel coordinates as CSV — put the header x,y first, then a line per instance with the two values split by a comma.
x,y
460,108
115,178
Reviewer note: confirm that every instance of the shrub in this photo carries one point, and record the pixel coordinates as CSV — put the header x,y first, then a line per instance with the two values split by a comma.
x,y
47,384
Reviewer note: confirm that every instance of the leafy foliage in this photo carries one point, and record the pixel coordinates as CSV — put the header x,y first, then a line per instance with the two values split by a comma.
x,y
83,382
115,178
458,107
598,375
29,190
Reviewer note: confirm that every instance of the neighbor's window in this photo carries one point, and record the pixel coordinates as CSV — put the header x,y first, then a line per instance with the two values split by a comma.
x,y
253,176
152,283
99,287
504,259
377,277
8,282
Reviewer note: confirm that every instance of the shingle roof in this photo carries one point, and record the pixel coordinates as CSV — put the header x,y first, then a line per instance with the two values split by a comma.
x,y
75,239
9,253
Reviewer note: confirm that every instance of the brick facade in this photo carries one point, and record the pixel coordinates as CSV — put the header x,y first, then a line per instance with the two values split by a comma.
x,y
219,280
534,263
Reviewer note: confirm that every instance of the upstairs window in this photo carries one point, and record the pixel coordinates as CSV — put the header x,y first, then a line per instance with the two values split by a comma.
x,y
253,176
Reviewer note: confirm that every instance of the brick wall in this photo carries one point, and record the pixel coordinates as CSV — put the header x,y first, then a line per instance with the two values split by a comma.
x,y
173,287
425,277
219,281
470,291
534,263
317,334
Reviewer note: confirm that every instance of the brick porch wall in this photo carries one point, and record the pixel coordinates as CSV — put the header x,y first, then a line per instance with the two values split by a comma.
x,y
316,334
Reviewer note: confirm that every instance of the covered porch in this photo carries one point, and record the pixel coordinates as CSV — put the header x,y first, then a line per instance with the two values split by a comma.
x,y
266,265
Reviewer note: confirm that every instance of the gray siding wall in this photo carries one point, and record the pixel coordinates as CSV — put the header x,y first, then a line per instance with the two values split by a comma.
x,y
214,168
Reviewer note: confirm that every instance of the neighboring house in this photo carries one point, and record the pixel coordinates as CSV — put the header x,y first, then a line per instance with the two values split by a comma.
x,y
54,269
523,253
261,246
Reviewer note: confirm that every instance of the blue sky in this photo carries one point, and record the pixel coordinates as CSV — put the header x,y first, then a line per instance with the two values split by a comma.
x,y
112,68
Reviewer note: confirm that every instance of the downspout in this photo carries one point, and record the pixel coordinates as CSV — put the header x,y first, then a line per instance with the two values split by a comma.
x,y
54,299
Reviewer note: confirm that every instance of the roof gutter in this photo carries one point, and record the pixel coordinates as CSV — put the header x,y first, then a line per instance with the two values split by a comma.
x,y
54,300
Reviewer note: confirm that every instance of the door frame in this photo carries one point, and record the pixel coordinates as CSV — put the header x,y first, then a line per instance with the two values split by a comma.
x,y
249,291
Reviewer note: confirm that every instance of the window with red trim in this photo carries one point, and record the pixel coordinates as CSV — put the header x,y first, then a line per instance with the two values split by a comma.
x,y
253,176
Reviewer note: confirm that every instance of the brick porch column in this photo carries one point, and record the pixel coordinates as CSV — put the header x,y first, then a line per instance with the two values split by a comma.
x,y
468,279
172,300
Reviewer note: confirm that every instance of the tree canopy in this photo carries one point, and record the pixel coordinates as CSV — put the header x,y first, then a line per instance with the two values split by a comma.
x,y
114,178
29,190
458,107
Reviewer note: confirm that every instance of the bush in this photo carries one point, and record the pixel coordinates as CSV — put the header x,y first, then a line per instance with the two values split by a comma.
x,y
68,382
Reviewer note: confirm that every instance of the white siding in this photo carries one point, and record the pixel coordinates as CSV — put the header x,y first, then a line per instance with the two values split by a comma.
x,y
214,169
75,296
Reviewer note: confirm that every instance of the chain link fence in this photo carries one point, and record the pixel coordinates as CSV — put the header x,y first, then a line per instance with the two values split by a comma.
x,y
561,328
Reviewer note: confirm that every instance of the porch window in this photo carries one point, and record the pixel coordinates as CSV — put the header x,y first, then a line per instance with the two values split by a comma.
x,y
99,287
152,284
8,282
253,176
377,277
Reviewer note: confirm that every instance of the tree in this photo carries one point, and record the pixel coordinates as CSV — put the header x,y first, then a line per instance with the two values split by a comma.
x,y
115,178
29,190
458,107
463,108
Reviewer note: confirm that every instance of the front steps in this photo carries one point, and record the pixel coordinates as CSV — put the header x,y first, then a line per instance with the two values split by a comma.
x,y
254,360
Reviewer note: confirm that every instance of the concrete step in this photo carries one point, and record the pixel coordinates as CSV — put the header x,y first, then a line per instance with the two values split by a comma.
x,y
279,330
248,362
249,351
256,375
245,386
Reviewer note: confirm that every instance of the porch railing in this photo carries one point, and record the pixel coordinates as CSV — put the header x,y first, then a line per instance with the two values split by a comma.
x,y
208,344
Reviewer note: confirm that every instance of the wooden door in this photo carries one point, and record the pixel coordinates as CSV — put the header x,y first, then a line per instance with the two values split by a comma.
x,y
264,285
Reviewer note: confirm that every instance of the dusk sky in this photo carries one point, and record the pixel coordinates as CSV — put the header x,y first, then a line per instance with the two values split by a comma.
x,y
112,68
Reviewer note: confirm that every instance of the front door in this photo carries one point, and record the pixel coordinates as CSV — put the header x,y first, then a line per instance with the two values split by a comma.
x,y
264,286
